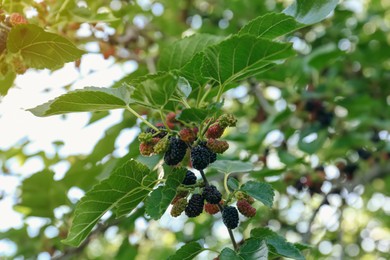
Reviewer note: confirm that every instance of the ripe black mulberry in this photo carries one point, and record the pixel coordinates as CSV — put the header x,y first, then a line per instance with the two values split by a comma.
x,y
176,151
230,217
195,206
211,194
190,178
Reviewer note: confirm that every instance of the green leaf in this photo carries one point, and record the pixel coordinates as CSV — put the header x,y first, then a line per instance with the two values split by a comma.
x,y
277,244
193,115
182,51
192,71
184,88
271,25
85,15
240,57
40,49
84,100
309,11
314,146
323,56
6,82
267,172
187,252
287,158
229,254
122,191
41,194
254,249
155,90
160,198
233,183
228,167
261,191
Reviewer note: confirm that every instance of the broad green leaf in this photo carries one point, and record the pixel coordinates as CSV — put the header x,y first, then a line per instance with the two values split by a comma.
x,y
155,90
254,249
159,200
192,71
182,51
85,15
323,56
240,57
184,87
261,191
198,115
187,252
41,194
267,172
233,183
193,115
229,254
287,158
309,11
6,82
228,167
40,49
315,145
84,100
122,191
277,244
271,25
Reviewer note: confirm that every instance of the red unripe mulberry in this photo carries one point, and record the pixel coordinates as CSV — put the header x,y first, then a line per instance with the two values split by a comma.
x,y
215,131
245,208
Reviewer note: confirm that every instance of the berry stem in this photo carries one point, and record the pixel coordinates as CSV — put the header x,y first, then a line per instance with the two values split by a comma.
x,y
142,119
221,209
225,180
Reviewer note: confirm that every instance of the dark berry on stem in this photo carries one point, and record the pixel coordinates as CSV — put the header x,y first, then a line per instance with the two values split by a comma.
x,y
176,151
190,178
230,217
195,206
200,157
161,134
211,194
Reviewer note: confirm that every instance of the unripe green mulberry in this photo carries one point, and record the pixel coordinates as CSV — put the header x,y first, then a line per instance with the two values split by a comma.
x,y
179,207
161,146
227,120
217,146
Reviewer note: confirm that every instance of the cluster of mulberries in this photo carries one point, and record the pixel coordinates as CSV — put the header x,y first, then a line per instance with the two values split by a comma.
x,y
203,146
